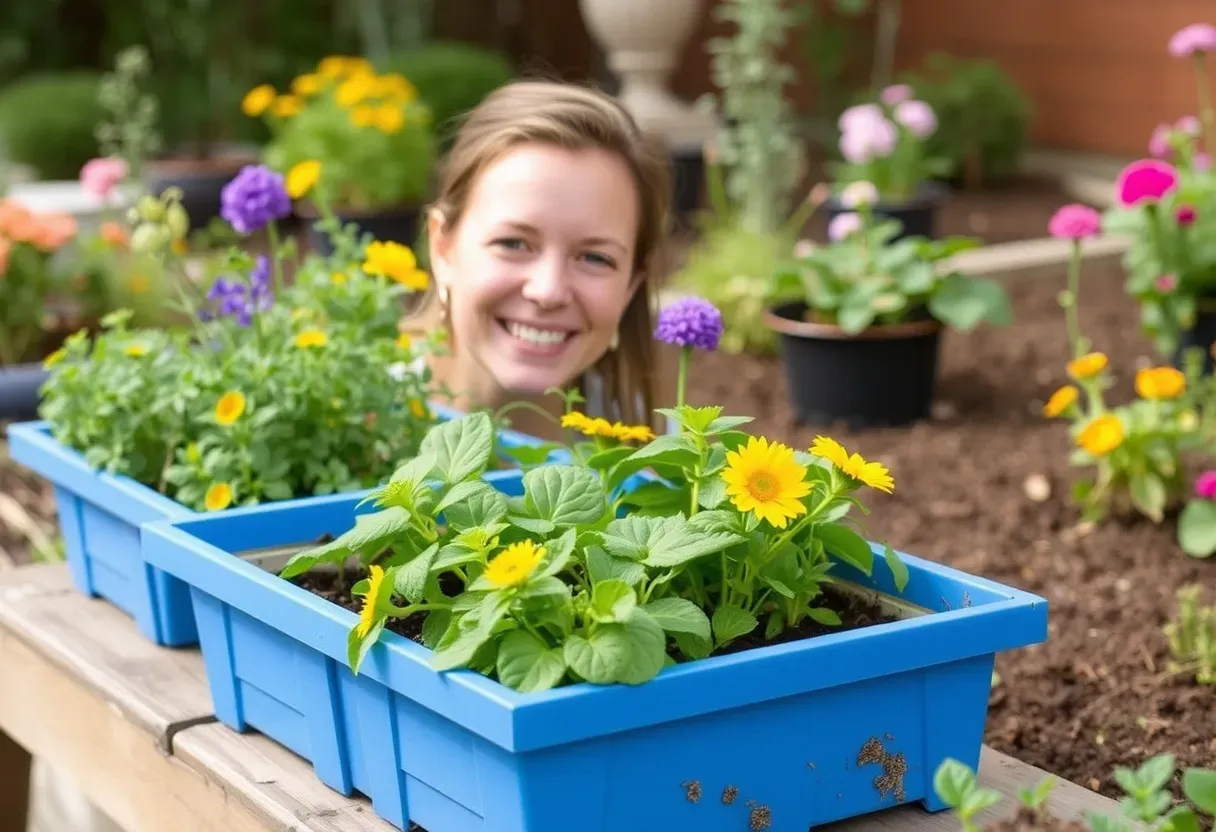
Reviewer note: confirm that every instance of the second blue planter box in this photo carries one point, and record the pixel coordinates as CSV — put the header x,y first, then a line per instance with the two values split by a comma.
x,y
780,737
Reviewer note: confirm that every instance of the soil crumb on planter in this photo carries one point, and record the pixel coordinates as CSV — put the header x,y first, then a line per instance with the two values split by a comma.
x,y
760,817
894,767
692,790
729,795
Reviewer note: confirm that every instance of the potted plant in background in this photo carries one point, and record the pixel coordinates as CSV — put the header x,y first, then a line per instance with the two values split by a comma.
x,y
861,342
884,143
372,137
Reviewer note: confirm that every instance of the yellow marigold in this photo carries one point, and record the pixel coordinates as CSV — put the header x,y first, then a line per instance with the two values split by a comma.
x,y
338,278
855,466
311,338
286,106
515,564
1060,401
396,87
332,67
308,84
419,409
1160,383
632,433
766,480
389,119
218,497
302,178
404,341
576,421
363,116
230,407
367,615
356,89
1102,435
396,262
1087,366
258,100
135,351
54,358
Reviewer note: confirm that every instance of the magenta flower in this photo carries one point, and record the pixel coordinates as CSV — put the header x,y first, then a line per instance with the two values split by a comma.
x,y
843,225
1189,125
1185,214
1145,181
1205,486
917,116
869,140
100,176
1195,39
896,94
1074,222
1159,142
1166,283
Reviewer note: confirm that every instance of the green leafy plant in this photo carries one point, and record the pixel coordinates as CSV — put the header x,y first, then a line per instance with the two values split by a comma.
x,y
957,786
863,279
33,275
1192,636
590,573
47,122
983,116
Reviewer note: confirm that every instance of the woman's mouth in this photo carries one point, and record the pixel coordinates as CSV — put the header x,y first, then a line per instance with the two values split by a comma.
x,y
537,340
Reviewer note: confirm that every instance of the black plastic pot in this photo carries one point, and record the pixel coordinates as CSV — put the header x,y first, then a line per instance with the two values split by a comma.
x,y
882,377
688,180
1203,335
918,214
400,225
201,182
19,398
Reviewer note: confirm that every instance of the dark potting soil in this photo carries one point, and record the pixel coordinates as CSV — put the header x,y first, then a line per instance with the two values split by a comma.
x,y
983,486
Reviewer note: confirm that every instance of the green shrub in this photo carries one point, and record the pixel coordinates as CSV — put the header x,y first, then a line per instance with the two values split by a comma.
x,y
983,116
47,121
452,77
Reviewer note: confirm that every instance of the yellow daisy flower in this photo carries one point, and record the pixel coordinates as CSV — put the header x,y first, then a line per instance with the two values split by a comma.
x,y
54,358
339,278
389,119
1101,436
1060,401
632,433
419,409
576,421
302,178
1087,366
404,341
363,116
135,351
855,466
258,100
311,338
218,497
367,615
230,407
1160,383
515,564
308,84
396,262
286,106
766,480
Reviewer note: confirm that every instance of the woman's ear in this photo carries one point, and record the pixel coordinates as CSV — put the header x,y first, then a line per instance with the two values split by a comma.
x,y
439,240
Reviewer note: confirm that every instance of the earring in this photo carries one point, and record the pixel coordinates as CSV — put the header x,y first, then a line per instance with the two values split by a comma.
x,y
444,299
616,340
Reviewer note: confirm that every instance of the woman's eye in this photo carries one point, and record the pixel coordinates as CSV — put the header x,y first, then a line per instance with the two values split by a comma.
x,y
510,243
600,259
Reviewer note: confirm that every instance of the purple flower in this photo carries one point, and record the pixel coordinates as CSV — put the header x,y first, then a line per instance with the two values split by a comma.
x,y
231,299
255,197
843,226
896,94
868,140
918,117
690,322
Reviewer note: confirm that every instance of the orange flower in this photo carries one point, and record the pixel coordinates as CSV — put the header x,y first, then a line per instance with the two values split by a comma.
x,y
16,222
113,234
5,246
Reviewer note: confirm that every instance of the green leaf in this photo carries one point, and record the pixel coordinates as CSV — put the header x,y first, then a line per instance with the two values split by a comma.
x,y
462,447
357,646
602,566
655,495
671,448
664,542
527,664
855,318
847,545
612,601
557,554
731,622
601,658
1199,786
371,530
1182,819
679,615
1155,773
712,493
470,632
824,616
964,302
648,648
952,782
541,528
473,496
529,456
899,569
725,423
565,495
1148,495
979,800
775,626
1197,528
604,460
410,580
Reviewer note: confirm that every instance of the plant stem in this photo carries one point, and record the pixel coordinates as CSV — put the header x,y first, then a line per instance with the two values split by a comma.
x,y
682,376
1206,115
1071,315
272,233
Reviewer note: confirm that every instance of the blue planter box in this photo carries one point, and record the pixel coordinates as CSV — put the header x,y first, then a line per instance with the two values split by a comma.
x,y
798,734
100,516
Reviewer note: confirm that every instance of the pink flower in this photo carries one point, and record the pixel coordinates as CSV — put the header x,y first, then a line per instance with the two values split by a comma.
x,y
854,118
99,177
859,193
1166,283
1189,125
917,116
1146,180
1194,39
842,225
869,140
1205,486
1075,221
1185,214
896,94
1159,142
1202,162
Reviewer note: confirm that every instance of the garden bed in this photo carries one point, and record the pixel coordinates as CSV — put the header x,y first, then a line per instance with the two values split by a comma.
x,y
1097,694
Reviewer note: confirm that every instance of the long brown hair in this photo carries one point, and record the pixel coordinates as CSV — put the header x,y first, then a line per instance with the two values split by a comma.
x,y
577,118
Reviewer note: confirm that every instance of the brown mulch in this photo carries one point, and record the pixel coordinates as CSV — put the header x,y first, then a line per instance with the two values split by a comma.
x,y
35,500
1096,694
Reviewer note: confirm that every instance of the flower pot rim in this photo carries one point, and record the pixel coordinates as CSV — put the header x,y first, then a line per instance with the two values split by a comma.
x,y
1007,617
833,332
307,210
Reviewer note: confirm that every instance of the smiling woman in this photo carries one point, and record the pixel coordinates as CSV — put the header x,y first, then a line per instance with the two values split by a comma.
x,y
551,217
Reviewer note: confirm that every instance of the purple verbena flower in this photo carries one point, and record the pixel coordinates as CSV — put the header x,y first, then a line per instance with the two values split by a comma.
x,y
240,301
255,197
690,322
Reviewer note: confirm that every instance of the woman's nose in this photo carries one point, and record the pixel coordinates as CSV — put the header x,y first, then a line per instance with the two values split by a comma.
x,y
547,284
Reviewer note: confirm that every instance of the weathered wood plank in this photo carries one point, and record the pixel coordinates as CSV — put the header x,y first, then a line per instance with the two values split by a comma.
x,y
14,785
281,790
99,647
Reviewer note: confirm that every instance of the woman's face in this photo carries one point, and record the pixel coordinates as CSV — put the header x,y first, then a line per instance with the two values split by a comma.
x,y
539,268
